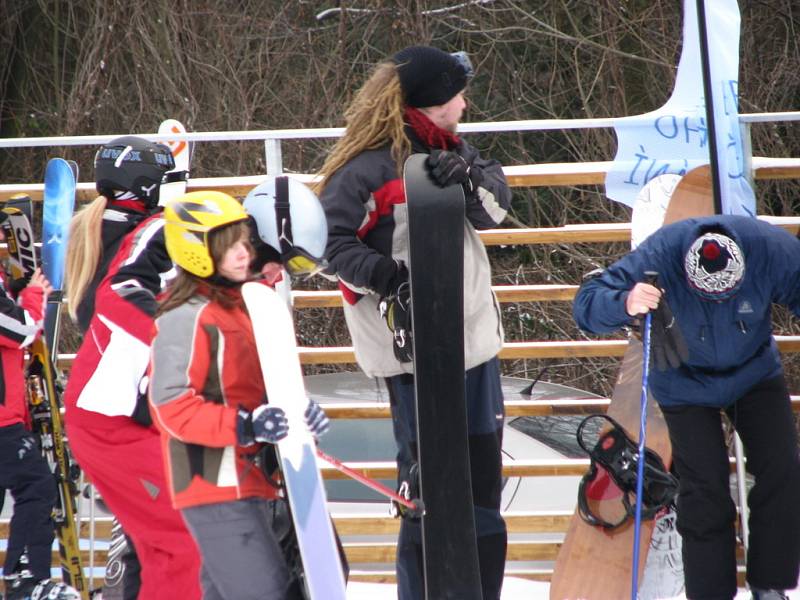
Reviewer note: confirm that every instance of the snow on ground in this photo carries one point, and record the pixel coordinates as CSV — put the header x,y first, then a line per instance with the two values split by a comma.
x,y
513,589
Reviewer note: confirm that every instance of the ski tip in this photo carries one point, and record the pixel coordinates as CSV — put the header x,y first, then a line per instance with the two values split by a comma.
x,y
178,147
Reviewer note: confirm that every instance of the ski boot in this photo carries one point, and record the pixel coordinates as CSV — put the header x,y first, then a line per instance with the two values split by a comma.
x,y
769,594
23,586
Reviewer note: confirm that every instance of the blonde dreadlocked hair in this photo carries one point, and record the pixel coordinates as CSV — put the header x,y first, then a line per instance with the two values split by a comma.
x,y
374,118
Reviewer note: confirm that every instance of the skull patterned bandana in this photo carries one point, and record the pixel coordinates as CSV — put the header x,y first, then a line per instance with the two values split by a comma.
x,y
714,266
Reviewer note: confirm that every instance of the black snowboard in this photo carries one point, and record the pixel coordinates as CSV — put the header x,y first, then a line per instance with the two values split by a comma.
x,y
436,256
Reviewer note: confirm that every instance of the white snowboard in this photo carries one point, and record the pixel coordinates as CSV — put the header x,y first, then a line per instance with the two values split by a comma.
x,y
283,378
650,206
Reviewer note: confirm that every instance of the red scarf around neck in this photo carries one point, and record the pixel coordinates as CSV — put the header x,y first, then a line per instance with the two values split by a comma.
x,y
431,135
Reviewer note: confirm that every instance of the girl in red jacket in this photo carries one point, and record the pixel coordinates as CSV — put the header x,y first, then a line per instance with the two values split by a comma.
x,y
207,396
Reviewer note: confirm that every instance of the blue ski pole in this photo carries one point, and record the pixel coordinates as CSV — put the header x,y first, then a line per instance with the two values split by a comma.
x,y
637,520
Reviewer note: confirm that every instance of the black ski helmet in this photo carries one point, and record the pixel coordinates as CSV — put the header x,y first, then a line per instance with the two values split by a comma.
x,y
132,164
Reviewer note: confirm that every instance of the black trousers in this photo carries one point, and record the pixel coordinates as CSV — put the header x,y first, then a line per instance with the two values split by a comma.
x,y
26,474
706,511
485,411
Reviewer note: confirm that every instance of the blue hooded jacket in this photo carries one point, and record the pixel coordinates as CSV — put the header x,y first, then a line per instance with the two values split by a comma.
x,y
730,341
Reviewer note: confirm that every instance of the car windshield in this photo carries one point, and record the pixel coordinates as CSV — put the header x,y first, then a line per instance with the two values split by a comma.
x,y
358,440
556,432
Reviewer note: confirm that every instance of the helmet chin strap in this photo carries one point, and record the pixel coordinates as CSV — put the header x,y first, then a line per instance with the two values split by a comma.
x,y
221,281
283,216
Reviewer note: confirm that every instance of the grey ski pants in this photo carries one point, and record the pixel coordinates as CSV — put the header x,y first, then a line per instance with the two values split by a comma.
x,y
241,557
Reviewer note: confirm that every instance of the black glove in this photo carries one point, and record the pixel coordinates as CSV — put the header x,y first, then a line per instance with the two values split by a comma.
x,y
667,344
141,412
447,168
387,274
395,309
16,285
265,424
408,489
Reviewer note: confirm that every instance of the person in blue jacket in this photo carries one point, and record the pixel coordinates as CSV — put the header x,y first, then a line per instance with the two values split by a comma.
x,y
714,352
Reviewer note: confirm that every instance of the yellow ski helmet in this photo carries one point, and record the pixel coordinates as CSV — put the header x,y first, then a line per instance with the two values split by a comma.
x,y
189,218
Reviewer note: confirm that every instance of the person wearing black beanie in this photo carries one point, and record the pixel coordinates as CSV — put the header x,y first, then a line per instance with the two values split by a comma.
x,y
431,77
412,102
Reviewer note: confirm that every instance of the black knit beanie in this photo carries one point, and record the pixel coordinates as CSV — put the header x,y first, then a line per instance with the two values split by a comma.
x,y
429,76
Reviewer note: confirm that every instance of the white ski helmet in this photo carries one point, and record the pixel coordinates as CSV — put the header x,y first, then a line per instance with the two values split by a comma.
x,y
289,219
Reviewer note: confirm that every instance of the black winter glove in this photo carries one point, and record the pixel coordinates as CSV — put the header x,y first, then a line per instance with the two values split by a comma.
x,y
667,344
447,168
15,286
396,311
141,412
387,275
408,489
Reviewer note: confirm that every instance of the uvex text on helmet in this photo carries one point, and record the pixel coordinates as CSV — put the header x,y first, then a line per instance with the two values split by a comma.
x,y
134,165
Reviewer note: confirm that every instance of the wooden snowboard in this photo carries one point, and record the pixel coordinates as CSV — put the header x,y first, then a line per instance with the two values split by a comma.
x,y
594,564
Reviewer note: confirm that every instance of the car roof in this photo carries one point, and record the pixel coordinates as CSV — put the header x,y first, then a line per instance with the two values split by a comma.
x,y
555,434
354,386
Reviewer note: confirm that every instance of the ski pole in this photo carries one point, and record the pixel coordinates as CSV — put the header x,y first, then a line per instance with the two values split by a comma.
x,y
741,486
370,483
651,279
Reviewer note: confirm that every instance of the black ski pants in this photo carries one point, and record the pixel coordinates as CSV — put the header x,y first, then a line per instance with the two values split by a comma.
x,y
706,511
25,473
485,414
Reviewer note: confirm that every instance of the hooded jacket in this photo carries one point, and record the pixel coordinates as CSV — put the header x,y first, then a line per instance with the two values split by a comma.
x,y
731,347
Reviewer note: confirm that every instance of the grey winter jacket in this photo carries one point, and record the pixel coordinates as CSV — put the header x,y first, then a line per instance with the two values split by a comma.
x,y
365,206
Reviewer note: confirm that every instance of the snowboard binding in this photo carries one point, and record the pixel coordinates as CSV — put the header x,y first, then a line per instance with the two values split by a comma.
x,y
612,474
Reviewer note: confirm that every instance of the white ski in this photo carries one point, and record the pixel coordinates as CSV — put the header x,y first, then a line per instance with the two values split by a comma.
x,y
283,379
182,153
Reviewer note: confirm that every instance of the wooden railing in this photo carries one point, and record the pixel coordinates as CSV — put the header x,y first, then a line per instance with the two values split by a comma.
x,y
536,175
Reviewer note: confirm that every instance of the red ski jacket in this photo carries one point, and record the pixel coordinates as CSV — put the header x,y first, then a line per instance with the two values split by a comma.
x,y
20,323
204,367
105,380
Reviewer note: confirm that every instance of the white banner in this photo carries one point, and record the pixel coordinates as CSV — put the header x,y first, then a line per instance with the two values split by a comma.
x,y
674,138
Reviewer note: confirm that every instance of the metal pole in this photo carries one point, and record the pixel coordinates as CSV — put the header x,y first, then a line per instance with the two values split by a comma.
x,y
640,460
709,102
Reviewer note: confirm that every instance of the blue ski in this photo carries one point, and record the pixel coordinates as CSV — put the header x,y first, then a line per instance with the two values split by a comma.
x,y
59,203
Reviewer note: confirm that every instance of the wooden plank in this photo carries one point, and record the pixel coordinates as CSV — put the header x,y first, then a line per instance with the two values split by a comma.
x,y
504,293
568,234
385,553
511,350
536,175
364,524
514,408
511,468
516,522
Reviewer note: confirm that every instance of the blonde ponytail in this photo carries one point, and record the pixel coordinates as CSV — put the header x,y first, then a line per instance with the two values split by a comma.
x,y
83,252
